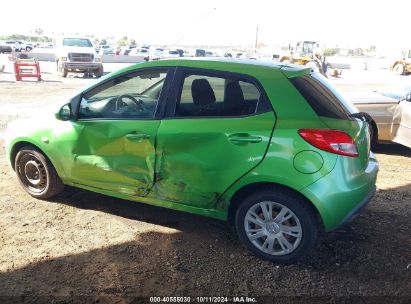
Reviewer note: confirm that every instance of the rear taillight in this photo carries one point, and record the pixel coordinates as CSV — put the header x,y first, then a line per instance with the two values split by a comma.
x,y
333,141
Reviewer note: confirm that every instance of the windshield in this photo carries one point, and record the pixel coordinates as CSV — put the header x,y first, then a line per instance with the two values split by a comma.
x,y
77,42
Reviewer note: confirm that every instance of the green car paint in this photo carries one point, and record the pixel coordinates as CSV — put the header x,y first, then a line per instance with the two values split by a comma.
x,y
199,164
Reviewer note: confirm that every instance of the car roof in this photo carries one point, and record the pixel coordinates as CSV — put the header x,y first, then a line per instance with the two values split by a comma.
x,y
229,64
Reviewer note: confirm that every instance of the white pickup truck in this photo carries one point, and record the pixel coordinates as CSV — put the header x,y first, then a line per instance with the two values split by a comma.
x,y
77,55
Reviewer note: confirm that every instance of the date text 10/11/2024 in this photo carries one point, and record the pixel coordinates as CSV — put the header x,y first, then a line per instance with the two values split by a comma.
x,y
203,300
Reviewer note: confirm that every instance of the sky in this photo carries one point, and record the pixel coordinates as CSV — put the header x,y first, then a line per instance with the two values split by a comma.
x,y
217,22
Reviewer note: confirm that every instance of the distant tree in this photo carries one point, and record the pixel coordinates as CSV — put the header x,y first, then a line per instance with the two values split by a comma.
x,y
132,42
39,31
103,41
331,51
123,41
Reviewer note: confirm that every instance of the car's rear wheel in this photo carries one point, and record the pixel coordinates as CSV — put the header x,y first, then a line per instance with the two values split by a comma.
x,y
399,69
373,135
36,173
276,226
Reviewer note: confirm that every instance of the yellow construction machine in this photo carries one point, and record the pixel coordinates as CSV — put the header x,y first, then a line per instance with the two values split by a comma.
x,y
306,53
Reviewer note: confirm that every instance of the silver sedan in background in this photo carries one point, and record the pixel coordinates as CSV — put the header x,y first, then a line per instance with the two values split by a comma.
x,y
391,112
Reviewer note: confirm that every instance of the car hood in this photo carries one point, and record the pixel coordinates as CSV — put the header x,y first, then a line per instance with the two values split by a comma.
x,y
77,49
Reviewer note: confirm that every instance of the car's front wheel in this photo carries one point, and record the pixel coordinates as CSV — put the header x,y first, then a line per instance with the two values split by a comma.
x,y
276,225
36,173
99,72
61,71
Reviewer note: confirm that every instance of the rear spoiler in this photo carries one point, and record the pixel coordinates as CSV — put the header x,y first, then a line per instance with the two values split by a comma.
x,y
293,70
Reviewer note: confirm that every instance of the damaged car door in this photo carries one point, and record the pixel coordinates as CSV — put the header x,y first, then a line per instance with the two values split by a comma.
x,y
116,129
217,128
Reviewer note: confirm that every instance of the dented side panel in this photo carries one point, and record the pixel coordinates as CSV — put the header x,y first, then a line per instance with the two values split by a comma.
x,y
197,160
102,155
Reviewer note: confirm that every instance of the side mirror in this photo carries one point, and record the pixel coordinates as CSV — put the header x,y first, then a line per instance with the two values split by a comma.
x,y
64,113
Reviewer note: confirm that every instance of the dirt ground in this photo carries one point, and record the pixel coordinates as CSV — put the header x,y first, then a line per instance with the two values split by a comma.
x,y
86,244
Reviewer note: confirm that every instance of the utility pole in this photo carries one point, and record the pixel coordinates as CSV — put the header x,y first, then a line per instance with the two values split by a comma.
x,y
256,38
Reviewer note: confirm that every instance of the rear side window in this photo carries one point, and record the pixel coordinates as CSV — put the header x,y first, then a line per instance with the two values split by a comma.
x,y
322,96
218,96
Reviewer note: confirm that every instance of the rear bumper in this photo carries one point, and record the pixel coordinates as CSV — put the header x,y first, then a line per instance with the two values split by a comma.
x,y
344,192
358,209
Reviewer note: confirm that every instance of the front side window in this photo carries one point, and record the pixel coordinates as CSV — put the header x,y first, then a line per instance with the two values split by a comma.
x,y
209,96
130,96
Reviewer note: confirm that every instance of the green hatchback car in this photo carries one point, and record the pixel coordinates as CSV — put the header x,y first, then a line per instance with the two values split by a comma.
x,y
272,148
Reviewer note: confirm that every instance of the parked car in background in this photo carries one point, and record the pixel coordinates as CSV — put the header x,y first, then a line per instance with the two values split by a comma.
x,y
221,141
142,52
5,48
180,52
106,50
28,46
124,50
44,45
390,110
156,53
210,54
77,55
170,54
19,45
23,46
200,53
13,44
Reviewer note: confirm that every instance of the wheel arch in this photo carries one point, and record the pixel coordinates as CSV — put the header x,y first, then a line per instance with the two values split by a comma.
x,y
248,189
20,144
374,126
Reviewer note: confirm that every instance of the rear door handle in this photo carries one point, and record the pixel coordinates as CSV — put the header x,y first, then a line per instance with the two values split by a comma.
x,y
243,138
137,137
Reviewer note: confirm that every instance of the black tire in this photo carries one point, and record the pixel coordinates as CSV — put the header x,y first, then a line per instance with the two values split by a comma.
x,y
300,209
36,174
399,69
99,72
61,71
373,135
64,72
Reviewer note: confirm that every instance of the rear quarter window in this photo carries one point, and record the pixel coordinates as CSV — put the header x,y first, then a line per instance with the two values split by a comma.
x,y
323,98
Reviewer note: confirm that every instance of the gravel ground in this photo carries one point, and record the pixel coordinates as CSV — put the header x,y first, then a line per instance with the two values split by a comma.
x,y
84,243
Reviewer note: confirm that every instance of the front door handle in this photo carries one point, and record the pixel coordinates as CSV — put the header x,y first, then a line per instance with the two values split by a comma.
x,y
244,138
137,137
